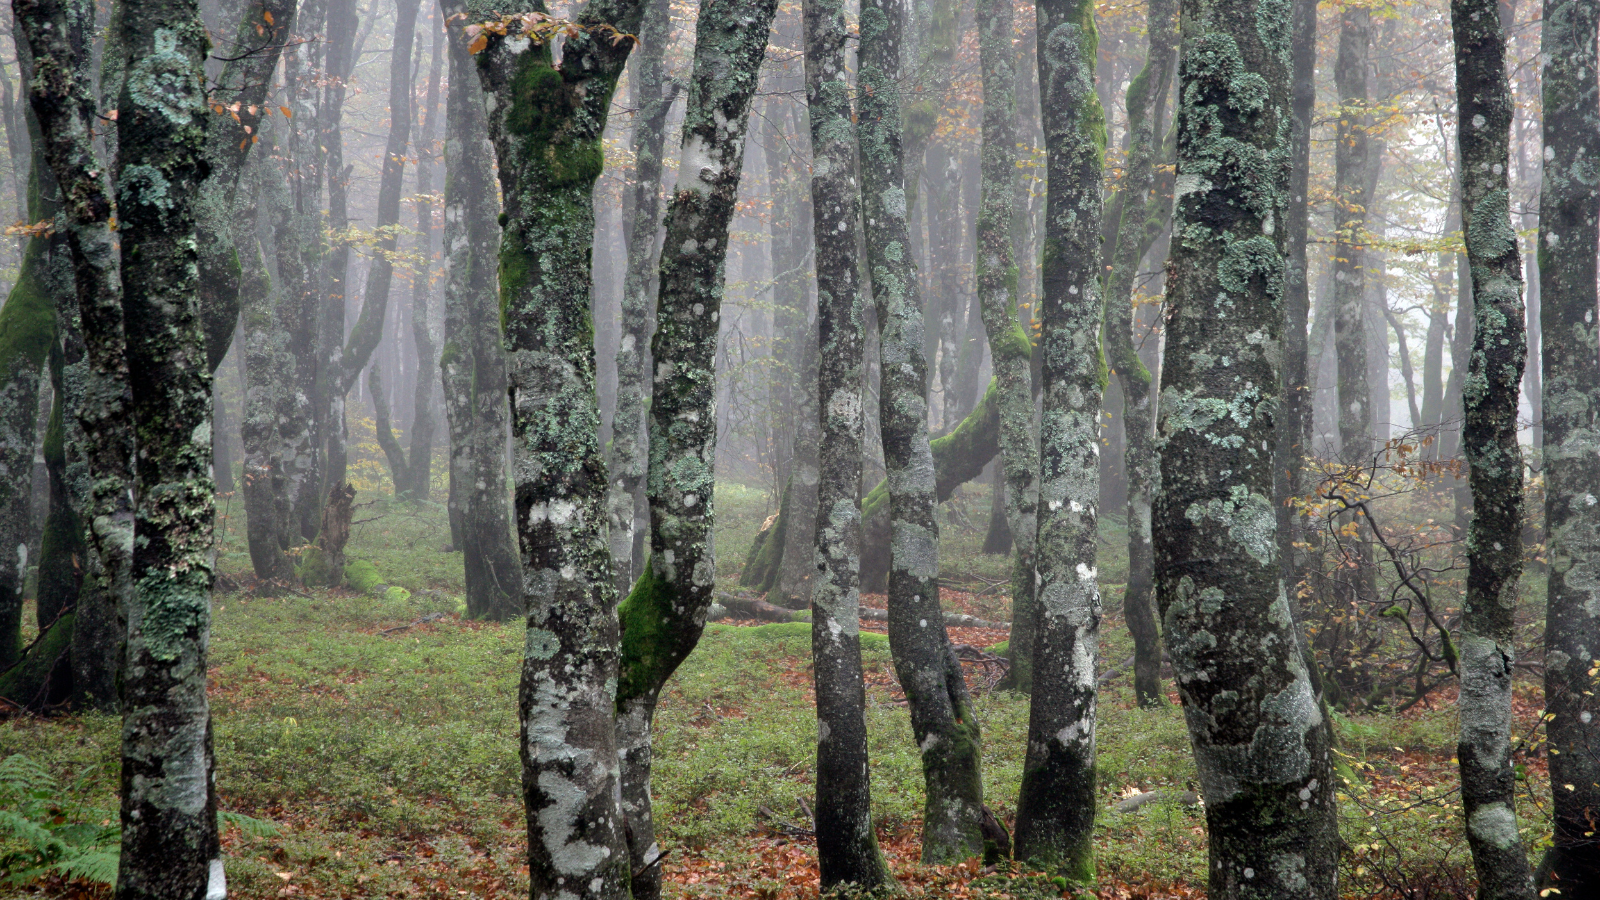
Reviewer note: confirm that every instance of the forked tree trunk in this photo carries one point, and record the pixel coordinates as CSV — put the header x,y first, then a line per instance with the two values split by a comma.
x,y
1055,812
847,845
1259,735
1568,232
943,719
1494,461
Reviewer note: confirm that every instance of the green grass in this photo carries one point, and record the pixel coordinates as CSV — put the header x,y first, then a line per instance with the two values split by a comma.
x,y
390,759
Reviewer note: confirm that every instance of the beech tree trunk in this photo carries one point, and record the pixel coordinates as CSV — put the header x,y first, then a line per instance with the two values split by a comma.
x,y
419,474
473,359
1145,213
943,719
1494,461
169,813
1568,233
1055,811
1259,734
546,121
847,845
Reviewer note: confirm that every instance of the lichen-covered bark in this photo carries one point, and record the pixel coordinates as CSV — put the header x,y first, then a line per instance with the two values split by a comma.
x,y
546,121
943,720
1494,461
628,462
169,819
1352,197
665,613
847,845
1055,811
238,107
1145,213
94,379
1568,205
472,360
1010,352
328,394
1259,734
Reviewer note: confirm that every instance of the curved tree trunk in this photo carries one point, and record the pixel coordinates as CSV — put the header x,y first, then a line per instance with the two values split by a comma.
x,y
1260,737
1055,811
1494,461
1568,231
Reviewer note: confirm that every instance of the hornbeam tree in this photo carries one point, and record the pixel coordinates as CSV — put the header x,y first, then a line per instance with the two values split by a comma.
x,y
1259,735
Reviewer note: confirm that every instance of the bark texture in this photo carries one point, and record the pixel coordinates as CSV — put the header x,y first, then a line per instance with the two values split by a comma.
x,y
663,616
1569,204
1145,213
546,121
1010,350
169,815
1353,195
943,720
473,359
847,845
1259,734
1494,461
1055,812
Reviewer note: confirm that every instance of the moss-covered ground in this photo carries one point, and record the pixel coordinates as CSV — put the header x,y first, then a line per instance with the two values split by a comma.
x,y
380,738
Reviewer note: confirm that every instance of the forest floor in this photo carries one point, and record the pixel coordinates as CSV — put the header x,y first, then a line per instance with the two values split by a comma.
x,y
378,736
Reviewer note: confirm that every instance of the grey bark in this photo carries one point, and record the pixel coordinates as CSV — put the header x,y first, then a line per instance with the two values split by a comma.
x,y
847,845
1353,144
1569,203
423,423
1494,461
1259,734
943,720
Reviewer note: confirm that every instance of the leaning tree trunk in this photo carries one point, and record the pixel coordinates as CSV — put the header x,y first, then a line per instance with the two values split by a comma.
x,y
847,845
1055,811
1145,212
63,101
1010,350
665,613
1260,737
628,459
546,124
1568,231
943,719
169,815
1494,461
473,360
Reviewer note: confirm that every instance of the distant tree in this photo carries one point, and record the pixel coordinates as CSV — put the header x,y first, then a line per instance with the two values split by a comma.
x,y
1569,204
1259,734
1494,461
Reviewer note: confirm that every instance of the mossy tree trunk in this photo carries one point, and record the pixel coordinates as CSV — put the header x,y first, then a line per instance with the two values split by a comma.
x,y
847,845
943,719
664,614
1260,737
1568,205
546,121
1145,213
1494,461
169,816
94,382
1010,348
473,359
1055,812
628,447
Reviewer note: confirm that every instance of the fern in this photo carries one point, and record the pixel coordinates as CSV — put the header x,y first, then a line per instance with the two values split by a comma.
x,y
260,828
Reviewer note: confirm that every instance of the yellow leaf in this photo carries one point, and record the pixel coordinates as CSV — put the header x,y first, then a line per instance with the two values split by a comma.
x,y
478,43
285,111
267,14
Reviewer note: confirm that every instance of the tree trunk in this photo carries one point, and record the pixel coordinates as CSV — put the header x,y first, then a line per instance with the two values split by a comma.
x,y
546,125
628,451
1145,213
1351,164
943,719
663,616
798,562
847,845
420,473
1260,737
169,812
1055,812
328,398
1568,233
473,360
1494,461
